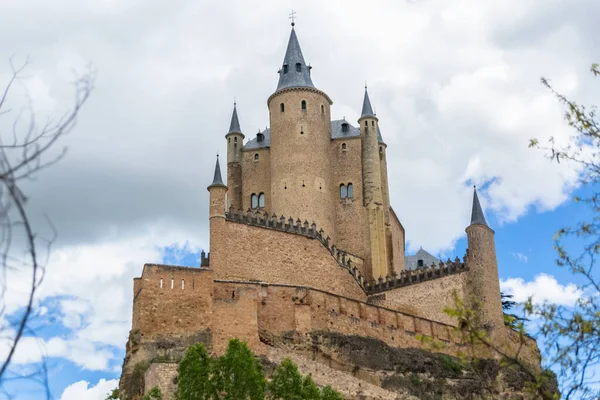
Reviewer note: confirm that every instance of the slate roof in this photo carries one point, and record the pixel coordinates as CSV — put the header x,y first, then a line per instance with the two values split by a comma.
x,y
217,180
289,76
337,132
412,262
234,126
477,216
367,110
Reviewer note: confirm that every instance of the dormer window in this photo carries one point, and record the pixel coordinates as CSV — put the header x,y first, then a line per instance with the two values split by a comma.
x,y
419,263
345,126
260,137
298,67
285,68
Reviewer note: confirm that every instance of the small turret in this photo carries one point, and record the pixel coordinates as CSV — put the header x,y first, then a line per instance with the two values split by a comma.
x,y
235,140
484,282
217,190
373,196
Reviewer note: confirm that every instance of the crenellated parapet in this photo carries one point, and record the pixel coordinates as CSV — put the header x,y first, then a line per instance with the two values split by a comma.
x,y
409,277
343,258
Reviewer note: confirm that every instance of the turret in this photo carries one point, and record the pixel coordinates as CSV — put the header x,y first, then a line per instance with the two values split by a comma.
x,y
373,198
484,282
235,140
217,190
300,122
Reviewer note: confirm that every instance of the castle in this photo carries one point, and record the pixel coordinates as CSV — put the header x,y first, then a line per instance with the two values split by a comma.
x,y
304,244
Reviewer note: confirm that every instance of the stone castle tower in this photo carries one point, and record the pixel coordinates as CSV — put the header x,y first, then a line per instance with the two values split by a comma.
x,y
318,170
305,249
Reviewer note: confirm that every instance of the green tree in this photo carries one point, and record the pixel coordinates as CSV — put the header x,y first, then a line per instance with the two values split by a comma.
x,y
572,334
113,395
153,394
194,381
327,393
238,374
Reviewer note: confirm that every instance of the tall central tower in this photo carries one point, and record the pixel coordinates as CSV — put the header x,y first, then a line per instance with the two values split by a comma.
x,y
300,118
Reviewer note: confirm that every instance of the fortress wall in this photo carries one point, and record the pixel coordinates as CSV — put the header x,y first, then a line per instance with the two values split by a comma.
x,y
261,254
160,311
427,299
256,176
351,218
283,310
398,243
234,315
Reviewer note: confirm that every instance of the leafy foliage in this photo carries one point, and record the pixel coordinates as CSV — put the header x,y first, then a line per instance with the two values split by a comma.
x,y
113,395
239,375
572,334
153,394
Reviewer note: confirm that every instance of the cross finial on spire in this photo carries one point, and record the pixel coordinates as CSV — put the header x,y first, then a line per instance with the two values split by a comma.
x,y
293,17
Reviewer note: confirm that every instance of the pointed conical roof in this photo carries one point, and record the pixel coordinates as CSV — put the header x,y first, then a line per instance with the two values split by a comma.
x,y
294,72
367,110
217,180
477,216
234,126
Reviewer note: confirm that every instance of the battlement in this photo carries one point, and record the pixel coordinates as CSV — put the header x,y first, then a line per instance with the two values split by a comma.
x,y
343,258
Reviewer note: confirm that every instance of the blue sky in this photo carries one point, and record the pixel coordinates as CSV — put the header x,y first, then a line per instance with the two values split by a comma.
x,y
456,87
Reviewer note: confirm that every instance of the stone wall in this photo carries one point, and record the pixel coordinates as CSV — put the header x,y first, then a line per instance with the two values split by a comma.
x,y
256,176
427,298
172,300
300,160
398,243
351,218
163,376
262,254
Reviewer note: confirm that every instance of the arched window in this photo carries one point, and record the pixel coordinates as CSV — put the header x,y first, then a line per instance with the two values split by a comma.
x,y
303,105
350,191
343,191
343,146
366,124
372,123
285,68
322,109
229,140
254,200
261,200
298,67
282,107
235,140
256,157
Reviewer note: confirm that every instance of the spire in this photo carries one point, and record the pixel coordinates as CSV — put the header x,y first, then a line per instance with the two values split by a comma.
x,y
477,216
217,180
234,126
367,110
294,72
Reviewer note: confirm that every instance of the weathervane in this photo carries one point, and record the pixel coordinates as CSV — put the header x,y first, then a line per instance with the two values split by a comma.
x,y
293,17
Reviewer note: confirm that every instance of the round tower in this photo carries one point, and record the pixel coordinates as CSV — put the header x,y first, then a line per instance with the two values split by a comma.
x,y
300,141
235,141
373,198
483,271
218,239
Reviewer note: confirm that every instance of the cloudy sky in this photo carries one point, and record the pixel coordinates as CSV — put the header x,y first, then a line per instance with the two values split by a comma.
x,y
455,84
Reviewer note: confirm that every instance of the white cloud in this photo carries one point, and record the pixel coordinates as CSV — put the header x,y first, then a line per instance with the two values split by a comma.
x,y
543,288
83,391
519,256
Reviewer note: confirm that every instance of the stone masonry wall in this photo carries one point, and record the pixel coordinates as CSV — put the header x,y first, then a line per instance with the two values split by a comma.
x,y
398,242
428,298
261,254
351,218
256,176
181,304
